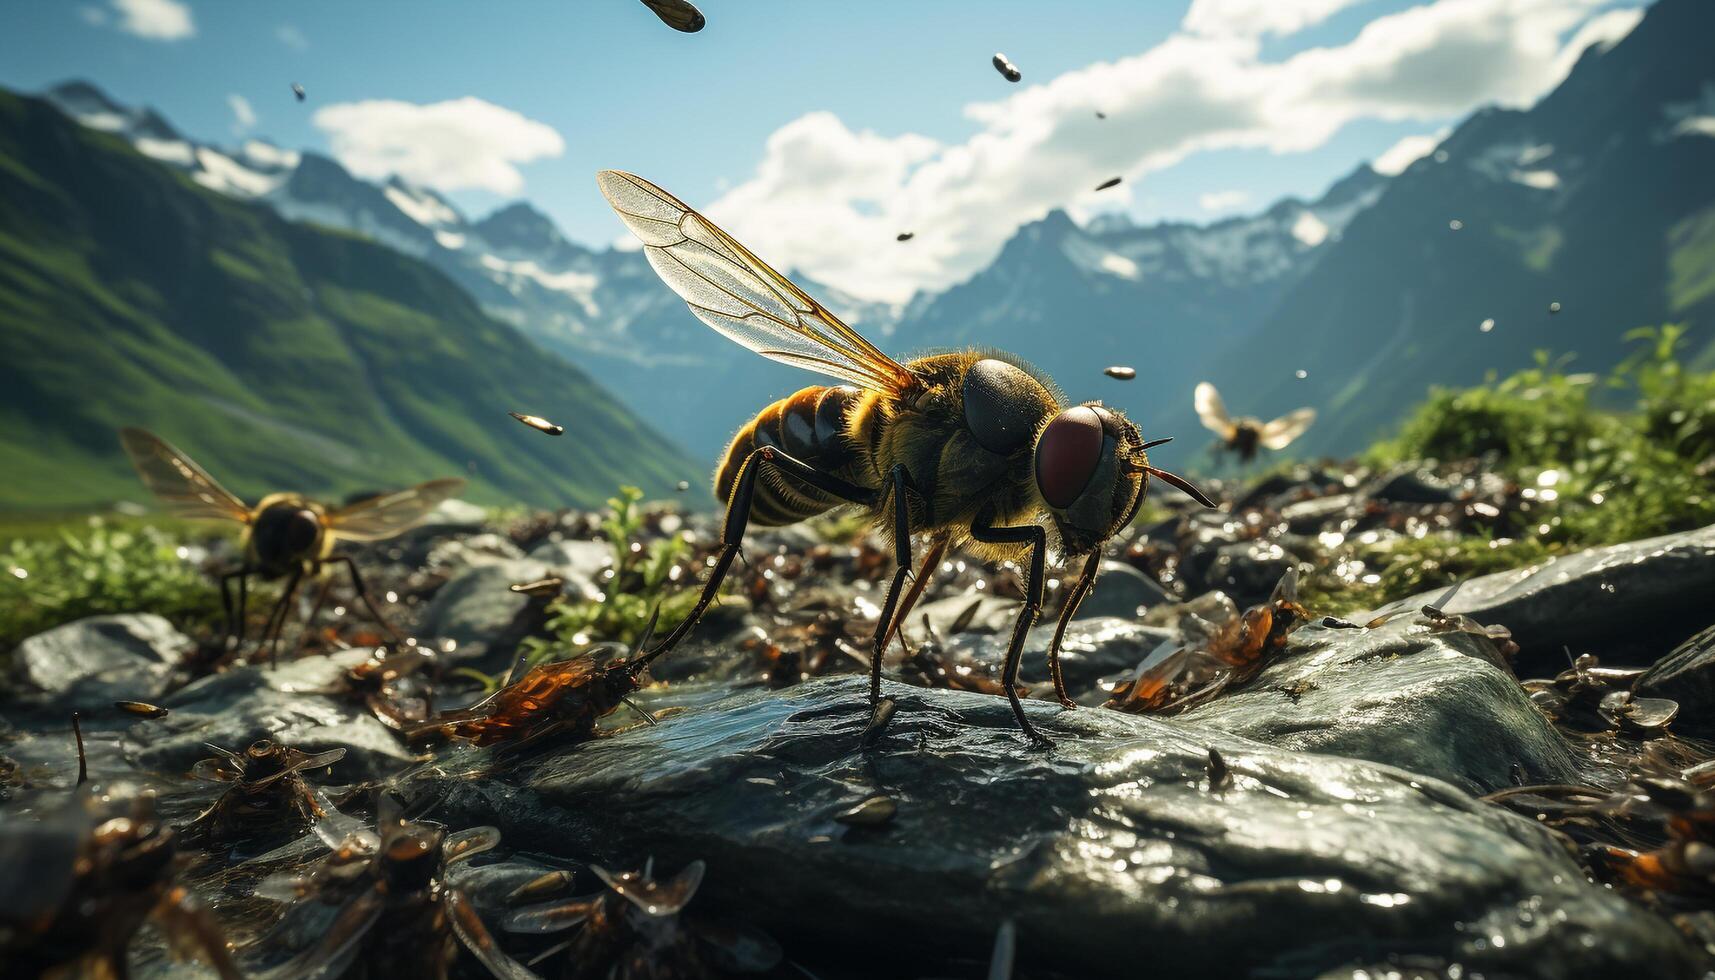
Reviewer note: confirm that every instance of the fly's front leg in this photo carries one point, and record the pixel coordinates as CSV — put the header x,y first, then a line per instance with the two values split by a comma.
x,y
363,595
1086,581
738,518
277,621
902,567
1034,536
227,609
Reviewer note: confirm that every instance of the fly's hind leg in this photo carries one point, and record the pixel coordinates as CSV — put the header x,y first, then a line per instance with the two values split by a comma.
x,y
738,518
1034,536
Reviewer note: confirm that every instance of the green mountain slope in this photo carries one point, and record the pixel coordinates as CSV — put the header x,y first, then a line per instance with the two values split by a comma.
x,y
280,356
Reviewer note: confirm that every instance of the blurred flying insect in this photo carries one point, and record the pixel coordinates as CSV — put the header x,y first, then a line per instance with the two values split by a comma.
x,y
1110,182
284,535
298,92
539,423
678,14
1007,69
905,236
972,449
142,709
1119,372
1245,435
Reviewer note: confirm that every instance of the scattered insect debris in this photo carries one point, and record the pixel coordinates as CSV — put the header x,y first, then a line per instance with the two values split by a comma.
x,y
638,926
1110,182
539,423
399,914
1007,69
266,794
560,700
680,15
99,866
932,664
1120,372
1231,654
142,709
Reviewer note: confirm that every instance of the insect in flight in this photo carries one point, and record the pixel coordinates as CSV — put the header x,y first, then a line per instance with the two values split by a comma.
x,y
285,534
1244,435
678,14
972,449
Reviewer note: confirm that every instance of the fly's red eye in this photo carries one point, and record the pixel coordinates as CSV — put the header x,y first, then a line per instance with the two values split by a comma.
x,y
1067,454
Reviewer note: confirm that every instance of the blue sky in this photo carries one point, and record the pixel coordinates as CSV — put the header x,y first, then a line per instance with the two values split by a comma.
x,y
868,103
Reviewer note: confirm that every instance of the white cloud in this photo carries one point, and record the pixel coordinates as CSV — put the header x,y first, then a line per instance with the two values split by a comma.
x,y
823,193
243,116
1406,152
452,145
1254,18
1223,200
291,37
156,20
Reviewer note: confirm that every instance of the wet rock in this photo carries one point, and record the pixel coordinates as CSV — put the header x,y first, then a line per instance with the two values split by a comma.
x,y
1310,516
285,704
1315,861
92,662
975,612
1121,590
1411,484
1438,703
1687,675
1248,570
479,612
1624,602
457,554
580,563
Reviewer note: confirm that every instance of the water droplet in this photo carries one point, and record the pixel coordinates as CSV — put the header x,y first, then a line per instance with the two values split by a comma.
x,y
1487,325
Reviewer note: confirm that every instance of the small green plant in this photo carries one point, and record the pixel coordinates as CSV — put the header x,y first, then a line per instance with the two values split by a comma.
x,y
99,569
1596,475
641,582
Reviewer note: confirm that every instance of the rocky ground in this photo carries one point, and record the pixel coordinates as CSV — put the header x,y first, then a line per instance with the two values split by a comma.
x,y
1262,778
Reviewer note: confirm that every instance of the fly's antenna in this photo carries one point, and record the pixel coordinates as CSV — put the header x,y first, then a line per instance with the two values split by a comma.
x,y
82,760
1181,484
633,705
639,659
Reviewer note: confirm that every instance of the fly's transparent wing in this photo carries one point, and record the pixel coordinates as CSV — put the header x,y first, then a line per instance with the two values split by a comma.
x,y
1212,411
1280,433
476,938
738,294
179,483
387,515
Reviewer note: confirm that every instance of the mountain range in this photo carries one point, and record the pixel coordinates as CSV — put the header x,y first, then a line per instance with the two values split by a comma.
x,y
1597,199
278,354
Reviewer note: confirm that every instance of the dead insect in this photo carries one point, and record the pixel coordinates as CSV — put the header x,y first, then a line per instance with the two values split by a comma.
x,y
563,699
1110,182
969,448
1007,69
1244,435
1591,698
542,588
678,14
1236,651
539,423
638,927
82,880
285,534
141,709
266,792
1120,372
398,914
905,236
298,90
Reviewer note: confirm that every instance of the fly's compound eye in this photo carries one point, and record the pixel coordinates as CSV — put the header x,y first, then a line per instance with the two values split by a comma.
x,y
1067,455
303,530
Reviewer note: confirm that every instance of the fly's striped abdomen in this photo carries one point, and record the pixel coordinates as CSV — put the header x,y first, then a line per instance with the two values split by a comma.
x,y
808,425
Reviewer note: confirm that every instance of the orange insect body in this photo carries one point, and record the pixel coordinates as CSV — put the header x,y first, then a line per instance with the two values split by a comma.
x,y
563,698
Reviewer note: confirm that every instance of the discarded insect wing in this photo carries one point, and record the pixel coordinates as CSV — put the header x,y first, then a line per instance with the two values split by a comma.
x,y
677,14
141,709
1007,69
1120,372
1110,182
298,90
542,588
539,423
905,236
652,897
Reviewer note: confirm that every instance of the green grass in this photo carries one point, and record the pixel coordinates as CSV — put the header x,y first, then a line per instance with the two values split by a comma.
x,y
1596,475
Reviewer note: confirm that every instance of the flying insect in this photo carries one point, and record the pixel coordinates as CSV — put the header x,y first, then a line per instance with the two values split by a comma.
x,y
285,534
972,449
1245,435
